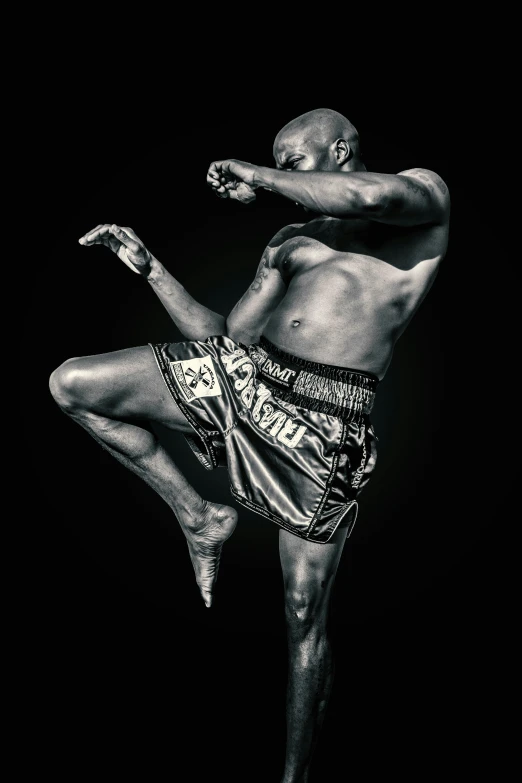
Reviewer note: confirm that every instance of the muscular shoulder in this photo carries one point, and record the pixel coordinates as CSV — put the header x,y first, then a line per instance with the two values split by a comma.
x,y
430,180
275,243
283,234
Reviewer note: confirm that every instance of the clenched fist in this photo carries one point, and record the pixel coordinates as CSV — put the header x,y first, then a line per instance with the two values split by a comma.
x,y
124,242
233,179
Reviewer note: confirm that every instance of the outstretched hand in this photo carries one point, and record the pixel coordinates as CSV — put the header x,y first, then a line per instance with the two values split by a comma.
x,y
232,179
122,241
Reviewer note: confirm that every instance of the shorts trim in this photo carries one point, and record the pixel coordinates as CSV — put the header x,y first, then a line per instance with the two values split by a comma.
x,y
290,528
318,368
329,481
347,394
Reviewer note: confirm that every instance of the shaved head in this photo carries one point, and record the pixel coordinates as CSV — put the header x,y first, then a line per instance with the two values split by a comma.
x,y
320,129
325,125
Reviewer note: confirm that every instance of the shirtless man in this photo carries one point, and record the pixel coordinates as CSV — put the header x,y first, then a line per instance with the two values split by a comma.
x,y
281,390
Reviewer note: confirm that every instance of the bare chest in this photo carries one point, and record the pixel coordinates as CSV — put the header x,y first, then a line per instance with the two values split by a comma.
x,y
355,247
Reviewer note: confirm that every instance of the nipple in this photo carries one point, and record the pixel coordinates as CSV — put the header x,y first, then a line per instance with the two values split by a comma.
x,y
296,323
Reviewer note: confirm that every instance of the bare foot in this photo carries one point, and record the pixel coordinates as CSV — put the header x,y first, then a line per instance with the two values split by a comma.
x,y
205,537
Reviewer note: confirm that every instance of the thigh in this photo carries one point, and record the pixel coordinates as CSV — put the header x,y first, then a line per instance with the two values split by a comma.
x,y
126,385
309,567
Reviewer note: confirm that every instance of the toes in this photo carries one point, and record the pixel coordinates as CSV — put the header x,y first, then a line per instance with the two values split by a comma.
x,y
206,570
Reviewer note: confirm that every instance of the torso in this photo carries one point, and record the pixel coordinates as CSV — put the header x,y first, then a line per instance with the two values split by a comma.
x,y
352,288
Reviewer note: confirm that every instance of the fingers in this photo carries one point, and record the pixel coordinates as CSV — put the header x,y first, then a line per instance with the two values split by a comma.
x,y
114,244
94,234
225,179
125,238
214,175
105,232
244,193
215,168
128,230
219,177
220,186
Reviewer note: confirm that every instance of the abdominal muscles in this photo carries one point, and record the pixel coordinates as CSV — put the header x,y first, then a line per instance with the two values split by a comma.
x,y
348,315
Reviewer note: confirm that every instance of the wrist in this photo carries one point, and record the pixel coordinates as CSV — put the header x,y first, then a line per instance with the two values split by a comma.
x,y
155,272
264,177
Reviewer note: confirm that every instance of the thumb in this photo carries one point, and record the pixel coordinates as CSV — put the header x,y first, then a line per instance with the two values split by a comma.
x,y
125,239
244,193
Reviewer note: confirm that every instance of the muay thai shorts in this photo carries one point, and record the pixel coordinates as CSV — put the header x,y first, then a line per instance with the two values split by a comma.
x,y
295,435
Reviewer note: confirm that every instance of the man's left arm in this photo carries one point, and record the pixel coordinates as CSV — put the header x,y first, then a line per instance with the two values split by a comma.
x,y
413,197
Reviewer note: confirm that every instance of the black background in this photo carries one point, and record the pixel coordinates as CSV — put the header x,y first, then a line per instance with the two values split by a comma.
x,y
137,671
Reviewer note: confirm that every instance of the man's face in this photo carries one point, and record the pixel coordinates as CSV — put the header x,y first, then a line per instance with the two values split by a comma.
x,y
297,151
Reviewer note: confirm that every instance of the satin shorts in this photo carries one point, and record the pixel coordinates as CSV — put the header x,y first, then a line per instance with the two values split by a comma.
x,y
295,435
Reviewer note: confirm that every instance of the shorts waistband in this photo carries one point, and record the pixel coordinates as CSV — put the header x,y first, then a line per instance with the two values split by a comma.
x,y
339,391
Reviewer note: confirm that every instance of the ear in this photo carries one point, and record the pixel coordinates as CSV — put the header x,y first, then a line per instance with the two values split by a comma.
x,y
343,152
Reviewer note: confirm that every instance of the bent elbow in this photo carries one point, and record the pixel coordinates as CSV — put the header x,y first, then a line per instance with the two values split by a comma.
x,y
231,330
240,335
373,200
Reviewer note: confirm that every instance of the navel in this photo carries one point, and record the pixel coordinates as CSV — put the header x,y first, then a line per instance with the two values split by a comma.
x,y
296,323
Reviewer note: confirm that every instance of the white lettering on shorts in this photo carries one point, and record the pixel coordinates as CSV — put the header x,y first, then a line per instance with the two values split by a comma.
x,y
233,360
291,434
264,414
196,378
262,395
276,371
360,470
273,418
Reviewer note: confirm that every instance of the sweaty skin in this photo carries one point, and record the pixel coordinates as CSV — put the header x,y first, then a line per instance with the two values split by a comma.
x,y
339,289
352,286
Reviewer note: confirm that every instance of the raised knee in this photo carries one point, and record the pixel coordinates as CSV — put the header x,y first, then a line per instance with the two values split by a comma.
x,y
67,384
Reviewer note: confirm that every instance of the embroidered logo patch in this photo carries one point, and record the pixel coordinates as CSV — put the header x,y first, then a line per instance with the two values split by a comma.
x,y
196,378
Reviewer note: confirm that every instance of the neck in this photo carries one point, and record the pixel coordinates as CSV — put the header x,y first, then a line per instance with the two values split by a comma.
x,y
356,165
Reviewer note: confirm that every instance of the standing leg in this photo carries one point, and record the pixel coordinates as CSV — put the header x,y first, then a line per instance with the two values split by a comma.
x,y
308,573
115,397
